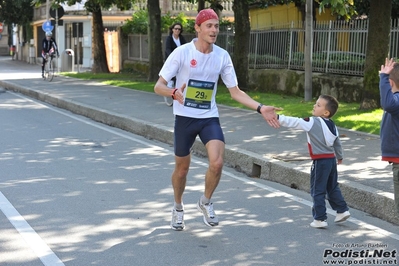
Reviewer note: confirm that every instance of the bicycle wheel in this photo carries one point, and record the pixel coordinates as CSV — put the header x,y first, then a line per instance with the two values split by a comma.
x,y
45,73
168,100
50,73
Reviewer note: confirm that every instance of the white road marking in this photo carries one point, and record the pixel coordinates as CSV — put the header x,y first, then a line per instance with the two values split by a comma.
x,y
35,242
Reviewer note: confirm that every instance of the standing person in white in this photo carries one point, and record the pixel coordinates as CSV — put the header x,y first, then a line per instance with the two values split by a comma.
x,y
197,66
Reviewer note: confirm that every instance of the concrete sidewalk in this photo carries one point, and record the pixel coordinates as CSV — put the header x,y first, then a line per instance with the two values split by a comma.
x,y
252,146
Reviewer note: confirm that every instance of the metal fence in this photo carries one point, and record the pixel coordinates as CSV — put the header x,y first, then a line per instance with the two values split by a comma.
x,y
177,6
338,46
138,44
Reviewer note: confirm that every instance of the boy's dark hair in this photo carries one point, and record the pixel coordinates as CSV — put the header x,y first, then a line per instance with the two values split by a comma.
x,y
332,104
394,75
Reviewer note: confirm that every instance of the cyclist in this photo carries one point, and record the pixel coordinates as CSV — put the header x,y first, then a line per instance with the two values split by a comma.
x,y
49,46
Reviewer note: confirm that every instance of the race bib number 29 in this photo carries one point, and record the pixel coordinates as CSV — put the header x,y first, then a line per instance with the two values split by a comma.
x,y
199,94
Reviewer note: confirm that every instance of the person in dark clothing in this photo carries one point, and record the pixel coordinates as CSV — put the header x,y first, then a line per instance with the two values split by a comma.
x,y
49,46
389,132
175,38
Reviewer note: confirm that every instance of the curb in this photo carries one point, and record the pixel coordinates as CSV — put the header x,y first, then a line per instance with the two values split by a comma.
x,y
358,196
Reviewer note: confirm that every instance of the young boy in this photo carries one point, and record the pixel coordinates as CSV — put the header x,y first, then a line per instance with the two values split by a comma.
x,y
326,151
389,88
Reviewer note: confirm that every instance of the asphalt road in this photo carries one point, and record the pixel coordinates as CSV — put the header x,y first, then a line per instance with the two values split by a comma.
x,y
278,155
76,192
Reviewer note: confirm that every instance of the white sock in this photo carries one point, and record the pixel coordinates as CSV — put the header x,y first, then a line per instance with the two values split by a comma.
x,y
178,207
205,200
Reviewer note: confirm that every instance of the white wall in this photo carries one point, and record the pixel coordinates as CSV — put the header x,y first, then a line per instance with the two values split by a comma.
x,y
86,44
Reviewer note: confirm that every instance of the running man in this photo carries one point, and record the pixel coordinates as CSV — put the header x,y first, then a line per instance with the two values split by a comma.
x,y
197,66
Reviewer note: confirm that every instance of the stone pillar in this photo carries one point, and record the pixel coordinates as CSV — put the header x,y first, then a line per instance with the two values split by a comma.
x,y
166,5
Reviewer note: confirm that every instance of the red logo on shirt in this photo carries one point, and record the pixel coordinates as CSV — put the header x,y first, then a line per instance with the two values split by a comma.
x,y
193,63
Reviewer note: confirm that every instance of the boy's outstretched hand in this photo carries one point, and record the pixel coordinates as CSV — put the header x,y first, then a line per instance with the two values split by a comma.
x,y
387,68
270,116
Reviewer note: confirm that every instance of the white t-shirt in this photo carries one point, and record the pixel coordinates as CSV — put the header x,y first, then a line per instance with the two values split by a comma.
x,y
200,72
177,41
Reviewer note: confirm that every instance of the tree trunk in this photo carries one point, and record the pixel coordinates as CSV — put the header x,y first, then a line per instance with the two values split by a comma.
x,y
98,45
241,42
154,39
377,51
201,5
217,7
308,50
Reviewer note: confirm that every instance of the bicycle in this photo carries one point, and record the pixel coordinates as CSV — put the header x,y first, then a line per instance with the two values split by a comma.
x,y
49,67
169,100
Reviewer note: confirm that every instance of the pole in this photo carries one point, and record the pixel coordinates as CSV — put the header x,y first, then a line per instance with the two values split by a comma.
x,y
58,38
47,10
308,49
77,47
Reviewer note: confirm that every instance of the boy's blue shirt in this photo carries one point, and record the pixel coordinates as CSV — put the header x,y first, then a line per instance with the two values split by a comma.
x,y
389,131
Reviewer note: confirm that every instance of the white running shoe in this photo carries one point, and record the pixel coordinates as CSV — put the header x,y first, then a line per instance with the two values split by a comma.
x,y
341,217
209,214
177,222
319,224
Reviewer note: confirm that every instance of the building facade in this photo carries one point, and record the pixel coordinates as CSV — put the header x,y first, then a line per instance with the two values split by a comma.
x,y
74,29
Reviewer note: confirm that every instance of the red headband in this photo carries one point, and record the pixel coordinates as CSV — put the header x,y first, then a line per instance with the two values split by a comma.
x,y
204,15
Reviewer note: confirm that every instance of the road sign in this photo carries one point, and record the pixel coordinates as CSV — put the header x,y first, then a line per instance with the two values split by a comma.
x,y
60,11
1,27
47,26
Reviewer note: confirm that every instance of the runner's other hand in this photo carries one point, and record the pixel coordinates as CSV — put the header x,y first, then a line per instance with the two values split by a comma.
x,y
179,96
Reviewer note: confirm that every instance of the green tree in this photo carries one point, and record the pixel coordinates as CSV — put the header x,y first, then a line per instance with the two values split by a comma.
x,y
139,23
16,11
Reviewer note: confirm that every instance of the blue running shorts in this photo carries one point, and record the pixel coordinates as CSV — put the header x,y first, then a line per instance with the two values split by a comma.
x,y
187,129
